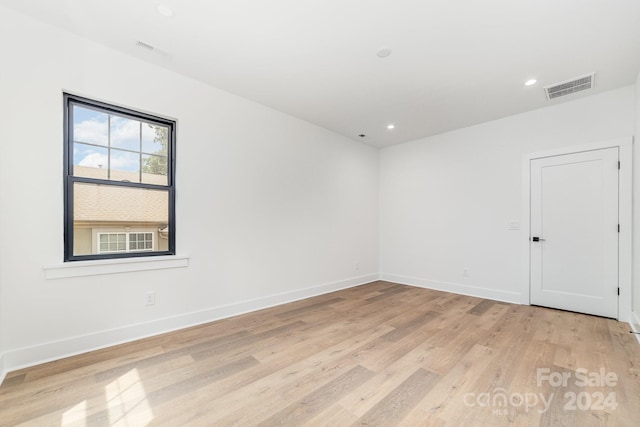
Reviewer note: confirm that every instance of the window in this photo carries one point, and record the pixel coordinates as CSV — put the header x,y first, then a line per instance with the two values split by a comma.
x,y
119,182
124,242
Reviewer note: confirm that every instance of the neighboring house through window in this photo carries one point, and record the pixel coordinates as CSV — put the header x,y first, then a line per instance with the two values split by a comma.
x,y
119,189
125,242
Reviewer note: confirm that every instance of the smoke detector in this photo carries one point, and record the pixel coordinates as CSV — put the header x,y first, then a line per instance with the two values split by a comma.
x,y
570,86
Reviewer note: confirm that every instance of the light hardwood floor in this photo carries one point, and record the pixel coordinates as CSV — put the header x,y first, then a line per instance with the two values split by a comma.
x,y
380,354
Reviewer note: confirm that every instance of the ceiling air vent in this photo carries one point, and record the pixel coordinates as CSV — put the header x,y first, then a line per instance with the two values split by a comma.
x,y
144,45
570,86
150,48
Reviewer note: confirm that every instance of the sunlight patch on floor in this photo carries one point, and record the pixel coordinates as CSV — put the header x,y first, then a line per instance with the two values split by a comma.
x,y
76,416
127,401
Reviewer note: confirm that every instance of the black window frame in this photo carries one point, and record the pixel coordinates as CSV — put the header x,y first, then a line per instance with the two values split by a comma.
x,y
70,179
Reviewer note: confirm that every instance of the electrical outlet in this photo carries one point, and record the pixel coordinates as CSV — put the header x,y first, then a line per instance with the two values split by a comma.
x,y
150,298
357,266
466,272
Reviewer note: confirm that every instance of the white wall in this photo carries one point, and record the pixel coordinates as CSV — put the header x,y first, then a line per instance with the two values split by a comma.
x,y
269,208
445,201
636,211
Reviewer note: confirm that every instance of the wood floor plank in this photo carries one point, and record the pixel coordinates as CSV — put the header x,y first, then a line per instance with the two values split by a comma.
x,y
314,402
399,402
420,418
379,354
14,380
385,294
333,416
309,308
492,316
546,330
481,307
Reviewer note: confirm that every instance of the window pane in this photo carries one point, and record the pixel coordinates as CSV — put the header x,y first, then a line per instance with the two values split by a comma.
x,y
137,241
154,169
97,208
154,139
125,166
125,133
116,242
90,161
90,126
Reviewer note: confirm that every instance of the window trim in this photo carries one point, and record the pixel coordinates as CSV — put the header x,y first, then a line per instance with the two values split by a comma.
x,y
70,179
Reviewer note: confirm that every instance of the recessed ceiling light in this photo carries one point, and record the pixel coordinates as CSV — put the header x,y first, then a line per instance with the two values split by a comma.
x,y
391,126
165,10
530,82
384,52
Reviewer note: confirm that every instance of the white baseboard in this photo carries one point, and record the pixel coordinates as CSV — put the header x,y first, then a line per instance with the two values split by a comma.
x,y
456,288
35,355
3,371
635,324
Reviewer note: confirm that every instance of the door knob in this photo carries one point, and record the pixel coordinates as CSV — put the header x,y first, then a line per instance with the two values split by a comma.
x,y
537,239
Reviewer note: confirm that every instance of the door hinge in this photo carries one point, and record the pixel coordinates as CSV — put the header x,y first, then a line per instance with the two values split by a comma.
x,y
618,228
618,291
618,164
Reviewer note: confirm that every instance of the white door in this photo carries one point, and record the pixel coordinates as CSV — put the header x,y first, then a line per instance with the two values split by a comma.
x,y
574,232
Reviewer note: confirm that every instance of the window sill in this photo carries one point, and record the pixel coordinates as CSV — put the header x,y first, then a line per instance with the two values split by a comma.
x,y
112,266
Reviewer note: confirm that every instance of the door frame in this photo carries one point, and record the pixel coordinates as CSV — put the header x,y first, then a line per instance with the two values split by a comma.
x,y
625,215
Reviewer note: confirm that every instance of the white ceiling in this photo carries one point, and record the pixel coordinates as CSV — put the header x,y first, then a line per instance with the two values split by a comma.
x,y
455,63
